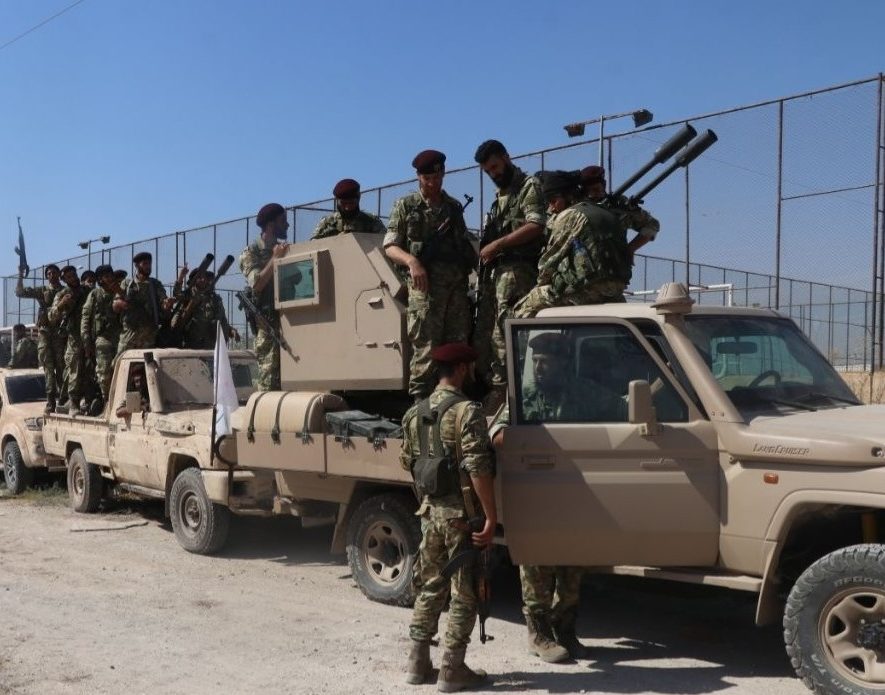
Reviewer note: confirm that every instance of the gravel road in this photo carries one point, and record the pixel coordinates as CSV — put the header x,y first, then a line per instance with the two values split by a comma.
x,y
111,604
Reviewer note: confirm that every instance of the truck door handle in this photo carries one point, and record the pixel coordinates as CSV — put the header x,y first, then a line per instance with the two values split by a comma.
x,y
662,464
535,463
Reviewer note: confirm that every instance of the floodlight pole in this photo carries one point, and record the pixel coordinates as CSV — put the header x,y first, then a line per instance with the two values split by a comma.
x,y
640,118
87,246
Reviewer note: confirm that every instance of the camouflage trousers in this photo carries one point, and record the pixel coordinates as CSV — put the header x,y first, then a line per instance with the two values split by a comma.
x,y
137,338
105,354
440,542
544,297
268,353
51,357
438,316
550,592
75,371
509,283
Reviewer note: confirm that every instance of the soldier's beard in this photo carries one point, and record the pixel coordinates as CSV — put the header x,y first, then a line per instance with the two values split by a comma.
x,y
505,178
348,214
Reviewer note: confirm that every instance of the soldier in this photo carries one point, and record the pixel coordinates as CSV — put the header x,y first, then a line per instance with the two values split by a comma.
x,y
348,217
142,303
66,314
100,328
24,349
50,341
456,424
585,260
201,311
427,235
632,216
256,264
88,279
513,237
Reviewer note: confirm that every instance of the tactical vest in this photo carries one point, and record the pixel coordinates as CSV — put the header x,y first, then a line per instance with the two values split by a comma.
x,y
424,240
604,241
436,468
500,221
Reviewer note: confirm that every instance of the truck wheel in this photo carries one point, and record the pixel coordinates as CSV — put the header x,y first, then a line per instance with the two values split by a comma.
x,y
200,525
17,475
84,483
834,622
382,546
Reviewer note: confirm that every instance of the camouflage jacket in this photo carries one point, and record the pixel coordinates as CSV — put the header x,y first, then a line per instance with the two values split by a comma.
x,y
476,447
252,261
25,354
200,330
633,217
99,320
586,244
521,202
145,299
67,319
580,400
44,296
335,224
414,225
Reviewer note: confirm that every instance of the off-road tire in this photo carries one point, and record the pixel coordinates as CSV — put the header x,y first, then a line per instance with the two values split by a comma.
x,y
383,536
201,526
823,615
18,476
85,484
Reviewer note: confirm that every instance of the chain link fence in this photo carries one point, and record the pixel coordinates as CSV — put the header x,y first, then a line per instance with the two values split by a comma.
x,y
785,211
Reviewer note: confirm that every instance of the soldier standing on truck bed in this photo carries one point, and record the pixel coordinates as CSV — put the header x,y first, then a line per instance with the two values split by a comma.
x,y
427,235
24,349
66,314
631,215
256,264
511,244
347,217
448,420
205,308
100,328
586,259
50,341
142,303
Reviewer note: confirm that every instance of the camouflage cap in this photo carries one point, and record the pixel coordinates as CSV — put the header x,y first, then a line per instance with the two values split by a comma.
x,y
268,213
346,189
551,344
453,353
429,162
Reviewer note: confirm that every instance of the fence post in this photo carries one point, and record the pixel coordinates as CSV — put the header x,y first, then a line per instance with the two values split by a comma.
x,y
878,245
780,201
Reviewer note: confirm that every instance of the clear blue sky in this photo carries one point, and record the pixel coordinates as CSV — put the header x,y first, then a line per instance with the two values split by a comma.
x,y
140,118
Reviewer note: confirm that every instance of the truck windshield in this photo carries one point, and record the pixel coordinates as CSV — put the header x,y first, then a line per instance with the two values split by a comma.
x,y
767,364
188,380
26,388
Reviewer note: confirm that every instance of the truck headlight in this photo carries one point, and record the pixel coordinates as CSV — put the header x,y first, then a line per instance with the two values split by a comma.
x,y
34,423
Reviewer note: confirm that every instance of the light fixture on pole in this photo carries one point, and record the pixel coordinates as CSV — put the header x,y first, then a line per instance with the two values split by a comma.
x,y
87,246
641,117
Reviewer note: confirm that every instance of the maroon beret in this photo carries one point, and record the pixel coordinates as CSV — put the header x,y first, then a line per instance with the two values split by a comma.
x,y
550,344
592,174
429,162
269,212
453,353
346,189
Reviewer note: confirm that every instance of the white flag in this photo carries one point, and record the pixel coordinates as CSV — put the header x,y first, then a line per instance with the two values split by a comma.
x,y
225,394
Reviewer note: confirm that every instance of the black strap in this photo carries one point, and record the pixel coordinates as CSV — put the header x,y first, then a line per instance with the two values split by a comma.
x,y
250,432
275,432
432,416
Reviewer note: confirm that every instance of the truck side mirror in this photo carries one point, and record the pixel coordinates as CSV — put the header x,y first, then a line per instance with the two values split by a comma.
x,y
640,409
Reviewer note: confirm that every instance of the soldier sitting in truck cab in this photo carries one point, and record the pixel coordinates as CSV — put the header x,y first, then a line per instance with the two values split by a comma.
x,y
136,384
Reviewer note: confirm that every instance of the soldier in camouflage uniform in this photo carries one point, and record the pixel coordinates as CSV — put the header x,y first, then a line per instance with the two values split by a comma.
x,y
143,305
442,535
512,240
631,216
66,313
585,260
348,217
438,263
24,352
256,264
202,310
100,328
50,341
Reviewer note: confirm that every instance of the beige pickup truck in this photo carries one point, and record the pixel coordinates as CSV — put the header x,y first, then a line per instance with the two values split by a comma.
x,y
22,397
154,440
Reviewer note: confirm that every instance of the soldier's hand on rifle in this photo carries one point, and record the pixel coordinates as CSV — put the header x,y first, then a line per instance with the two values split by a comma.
x,y
280,249
120,305
484,538
22,273
419,275
168,303
490,251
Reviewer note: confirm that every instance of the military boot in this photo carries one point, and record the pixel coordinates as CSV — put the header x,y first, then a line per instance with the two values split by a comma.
x,y
420,665
50,405
455,675
542,643
564,632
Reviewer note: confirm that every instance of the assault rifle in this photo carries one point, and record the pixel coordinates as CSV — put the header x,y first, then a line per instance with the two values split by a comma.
x,y
23,267
481,561
169,330
192,303
433,247
258,321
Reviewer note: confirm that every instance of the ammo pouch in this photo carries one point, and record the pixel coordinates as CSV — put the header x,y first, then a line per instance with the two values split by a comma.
x,y
435,469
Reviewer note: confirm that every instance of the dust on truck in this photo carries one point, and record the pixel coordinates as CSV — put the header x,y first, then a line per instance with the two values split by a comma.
x,y
732,453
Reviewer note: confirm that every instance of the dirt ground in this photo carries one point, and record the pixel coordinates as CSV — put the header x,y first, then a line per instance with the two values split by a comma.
x,y
110,603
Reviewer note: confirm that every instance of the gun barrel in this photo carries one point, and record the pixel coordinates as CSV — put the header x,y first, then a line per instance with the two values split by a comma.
x,y
662,154
685,157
